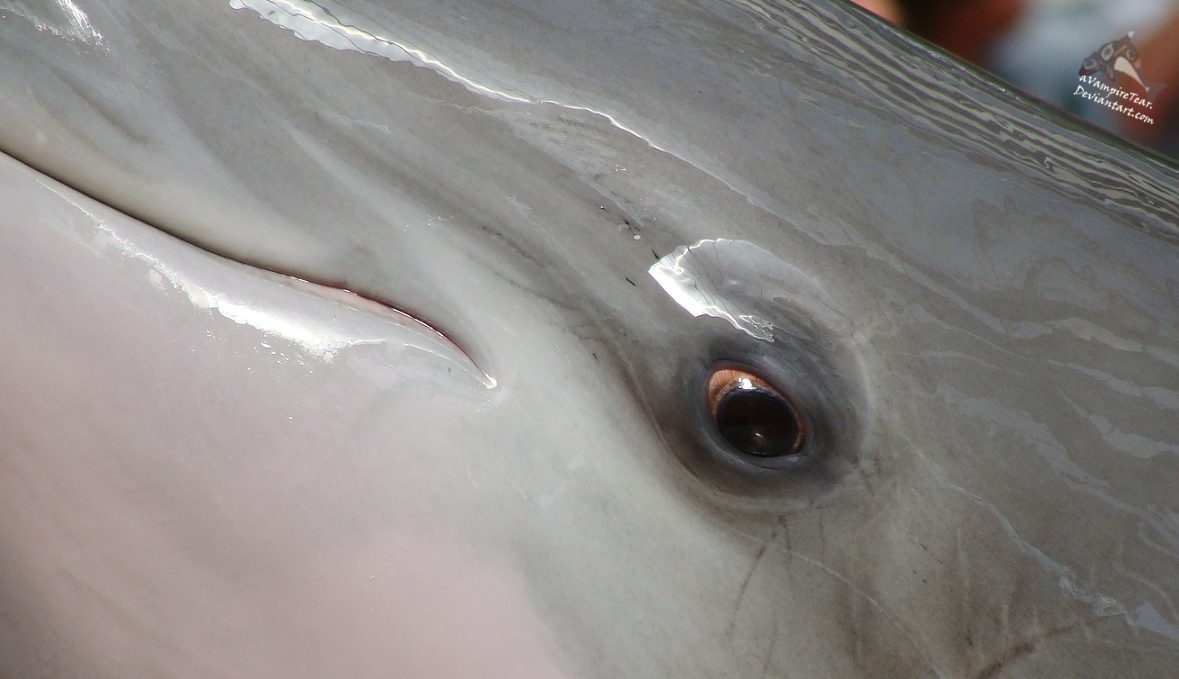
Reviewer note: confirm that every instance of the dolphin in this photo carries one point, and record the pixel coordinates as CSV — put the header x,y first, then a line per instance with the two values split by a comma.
x,y
540,339
1120,56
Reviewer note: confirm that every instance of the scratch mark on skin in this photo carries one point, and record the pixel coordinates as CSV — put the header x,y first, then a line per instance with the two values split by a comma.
x,y
1146,582
749,577
765,668
1102,605
786,527
1025,648
1012,654
967,612
858,621
822,537
915,639
1151,543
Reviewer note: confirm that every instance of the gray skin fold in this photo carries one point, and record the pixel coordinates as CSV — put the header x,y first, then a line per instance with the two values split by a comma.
x,y
347,339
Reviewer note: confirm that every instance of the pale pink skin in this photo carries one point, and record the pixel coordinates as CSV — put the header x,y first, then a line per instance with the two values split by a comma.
x,y
148,535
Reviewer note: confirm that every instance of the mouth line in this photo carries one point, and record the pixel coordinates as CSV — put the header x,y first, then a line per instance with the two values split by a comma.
x,y
364,303
255,306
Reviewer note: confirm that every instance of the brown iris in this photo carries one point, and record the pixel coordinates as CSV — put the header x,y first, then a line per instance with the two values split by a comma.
x,y
754,417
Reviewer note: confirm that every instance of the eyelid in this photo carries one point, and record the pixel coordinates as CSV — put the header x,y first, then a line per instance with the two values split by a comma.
x,y
725,380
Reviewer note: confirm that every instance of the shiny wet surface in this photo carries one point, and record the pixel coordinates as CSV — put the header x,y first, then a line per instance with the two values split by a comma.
x,y
981,300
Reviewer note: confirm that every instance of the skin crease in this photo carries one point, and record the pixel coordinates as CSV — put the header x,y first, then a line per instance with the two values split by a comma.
x,y
974,301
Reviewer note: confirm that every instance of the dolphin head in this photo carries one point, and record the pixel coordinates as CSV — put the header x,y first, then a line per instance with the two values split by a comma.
x,y
510,340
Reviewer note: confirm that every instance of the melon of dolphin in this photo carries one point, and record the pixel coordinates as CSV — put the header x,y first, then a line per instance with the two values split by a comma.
x,y
381,339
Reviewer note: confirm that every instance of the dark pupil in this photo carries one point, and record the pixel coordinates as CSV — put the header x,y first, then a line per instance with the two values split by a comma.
x,y
757,422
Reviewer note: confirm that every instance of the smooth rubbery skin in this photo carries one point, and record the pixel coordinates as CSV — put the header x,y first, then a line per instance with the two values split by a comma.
x,y
473,444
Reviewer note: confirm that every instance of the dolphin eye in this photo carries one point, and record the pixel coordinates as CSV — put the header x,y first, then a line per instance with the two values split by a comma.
x,y
753,416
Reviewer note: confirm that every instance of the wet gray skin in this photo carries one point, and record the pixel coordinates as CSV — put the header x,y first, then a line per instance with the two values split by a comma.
x,y
210,470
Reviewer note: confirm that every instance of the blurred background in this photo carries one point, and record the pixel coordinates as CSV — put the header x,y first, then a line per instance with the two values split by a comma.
x,y
1040,45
